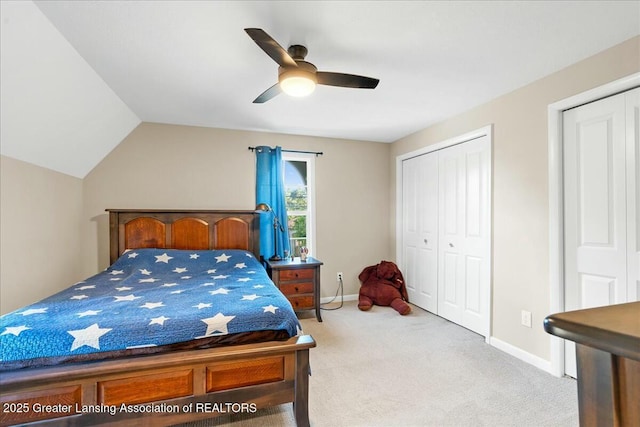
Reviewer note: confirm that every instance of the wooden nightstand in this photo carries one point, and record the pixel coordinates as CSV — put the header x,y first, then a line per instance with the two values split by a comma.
x,y
299,282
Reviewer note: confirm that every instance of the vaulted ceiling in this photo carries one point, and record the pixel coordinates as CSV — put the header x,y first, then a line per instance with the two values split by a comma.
x,y
77,76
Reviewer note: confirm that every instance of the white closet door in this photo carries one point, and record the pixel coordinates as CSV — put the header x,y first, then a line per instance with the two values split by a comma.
x,y
464,242
595,181
632,103
420,229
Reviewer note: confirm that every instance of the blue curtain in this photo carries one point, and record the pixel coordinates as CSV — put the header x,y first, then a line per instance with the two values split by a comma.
x,y
270,190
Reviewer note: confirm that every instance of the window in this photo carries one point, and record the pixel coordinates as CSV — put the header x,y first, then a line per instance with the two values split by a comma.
x,y
299,185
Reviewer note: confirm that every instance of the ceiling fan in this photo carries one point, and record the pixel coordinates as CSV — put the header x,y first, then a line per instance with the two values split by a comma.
x,y
297,77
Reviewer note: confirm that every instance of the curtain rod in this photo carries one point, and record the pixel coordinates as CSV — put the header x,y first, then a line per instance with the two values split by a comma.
x,y
317,153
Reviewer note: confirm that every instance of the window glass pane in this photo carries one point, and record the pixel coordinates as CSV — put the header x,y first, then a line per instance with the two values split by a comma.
x,y
295,173
296,198
297,232
297,193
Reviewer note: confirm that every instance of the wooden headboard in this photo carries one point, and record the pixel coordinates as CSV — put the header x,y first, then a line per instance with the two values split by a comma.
x,y
183,229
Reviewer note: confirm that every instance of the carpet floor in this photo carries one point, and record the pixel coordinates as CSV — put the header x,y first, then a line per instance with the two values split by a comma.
x,y
378,368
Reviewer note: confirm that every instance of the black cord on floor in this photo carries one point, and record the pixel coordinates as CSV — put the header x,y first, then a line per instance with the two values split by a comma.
x,y
341,290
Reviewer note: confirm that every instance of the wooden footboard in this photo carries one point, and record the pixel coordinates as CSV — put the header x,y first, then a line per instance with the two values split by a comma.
x,y
162,389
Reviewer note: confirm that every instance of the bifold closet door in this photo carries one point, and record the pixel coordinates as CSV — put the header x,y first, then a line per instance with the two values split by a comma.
x,y
420,229
600,145
464,250
446,232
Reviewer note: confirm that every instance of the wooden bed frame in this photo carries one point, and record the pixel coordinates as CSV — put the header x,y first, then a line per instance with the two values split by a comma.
x,y
176,387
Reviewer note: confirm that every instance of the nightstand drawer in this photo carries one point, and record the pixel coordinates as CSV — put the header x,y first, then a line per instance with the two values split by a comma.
x,y
296,288
296,274
301,302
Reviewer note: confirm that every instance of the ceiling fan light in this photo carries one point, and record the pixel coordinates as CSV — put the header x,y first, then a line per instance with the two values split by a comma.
x,y
299,81
297,86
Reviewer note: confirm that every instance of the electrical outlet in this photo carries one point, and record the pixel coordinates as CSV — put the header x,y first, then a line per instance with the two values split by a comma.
x,y
339,277
526,318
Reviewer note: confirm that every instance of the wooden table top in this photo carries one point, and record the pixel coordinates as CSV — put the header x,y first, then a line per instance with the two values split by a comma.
x,y
613,328
297,262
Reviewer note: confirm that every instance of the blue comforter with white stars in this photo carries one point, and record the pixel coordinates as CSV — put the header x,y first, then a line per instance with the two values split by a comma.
x,y
149,298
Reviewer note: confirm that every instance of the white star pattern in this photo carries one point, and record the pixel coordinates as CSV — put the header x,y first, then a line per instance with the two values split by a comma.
x,y
89,336
258,287
241,265
186,277
145,272
222,258
79,297
89,313
123,288
163,258
179,270
82,288
159,320
194,256
244,279
115,279
220,276
34,311
202,305
250,297
152,305
208,284
217,325
129,297
270,308
211,271
14,330
176,292
149,280
114,272
133,255
169,285
222,291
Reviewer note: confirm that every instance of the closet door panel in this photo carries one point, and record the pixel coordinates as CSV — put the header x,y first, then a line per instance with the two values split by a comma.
x,y
420,235
451,280
633,193
410,225
476,225
595,208
595,202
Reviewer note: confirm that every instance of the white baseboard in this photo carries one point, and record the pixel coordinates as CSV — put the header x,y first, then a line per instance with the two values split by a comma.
x,y
519,353
353,297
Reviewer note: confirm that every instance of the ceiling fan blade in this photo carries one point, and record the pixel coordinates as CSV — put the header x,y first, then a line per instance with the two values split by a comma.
x,y
346,80
268,94
271,47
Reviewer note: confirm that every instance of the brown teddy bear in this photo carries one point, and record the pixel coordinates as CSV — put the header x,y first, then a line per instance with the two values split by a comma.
x,y
383,284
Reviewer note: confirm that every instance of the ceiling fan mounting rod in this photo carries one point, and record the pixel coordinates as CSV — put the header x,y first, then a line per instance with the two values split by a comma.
x,y
297,52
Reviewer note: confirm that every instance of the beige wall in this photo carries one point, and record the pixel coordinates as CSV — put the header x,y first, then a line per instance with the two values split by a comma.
x,y
40,216
520,186
168,166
